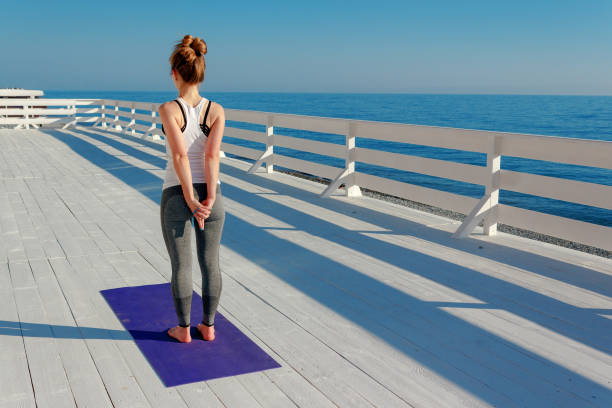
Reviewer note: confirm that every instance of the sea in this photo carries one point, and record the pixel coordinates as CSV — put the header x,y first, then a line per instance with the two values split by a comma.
x,y
585,117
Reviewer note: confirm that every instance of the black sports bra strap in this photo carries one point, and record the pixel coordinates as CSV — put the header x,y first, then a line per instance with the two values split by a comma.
x,y
206,113
203,125
184,116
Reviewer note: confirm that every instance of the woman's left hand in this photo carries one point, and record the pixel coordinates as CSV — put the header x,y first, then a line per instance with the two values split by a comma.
x,y
209,202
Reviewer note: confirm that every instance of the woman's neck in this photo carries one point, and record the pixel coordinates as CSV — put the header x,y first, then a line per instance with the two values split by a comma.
x,y
190,94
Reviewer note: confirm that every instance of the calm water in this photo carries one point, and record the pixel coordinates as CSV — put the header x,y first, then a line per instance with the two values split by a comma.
x,y
587,117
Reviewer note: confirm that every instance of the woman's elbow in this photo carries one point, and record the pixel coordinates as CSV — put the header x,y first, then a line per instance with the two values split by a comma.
x,y
178,157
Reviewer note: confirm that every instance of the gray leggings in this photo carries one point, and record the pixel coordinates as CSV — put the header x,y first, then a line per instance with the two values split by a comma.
x,y
176,228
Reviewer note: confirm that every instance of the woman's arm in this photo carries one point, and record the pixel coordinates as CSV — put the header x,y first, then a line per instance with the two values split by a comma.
x,y
180,160
213,148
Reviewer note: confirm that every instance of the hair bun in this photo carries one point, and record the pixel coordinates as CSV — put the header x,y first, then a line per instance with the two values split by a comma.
x,y
199,46
187,40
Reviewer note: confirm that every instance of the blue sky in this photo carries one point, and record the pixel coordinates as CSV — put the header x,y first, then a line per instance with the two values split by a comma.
x,y
525,47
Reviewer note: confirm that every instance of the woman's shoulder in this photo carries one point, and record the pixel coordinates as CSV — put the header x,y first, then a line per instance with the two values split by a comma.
x,y
169,106
216,110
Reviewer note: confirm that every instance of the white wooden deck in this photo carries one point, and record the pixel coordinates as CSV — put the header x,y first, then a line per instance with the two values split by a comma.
x,y
363,302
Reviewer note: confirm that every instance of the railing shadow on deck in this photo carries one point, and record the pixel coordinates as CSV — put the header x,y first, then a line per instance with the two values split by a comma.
x,y
421,325
27,329
583,277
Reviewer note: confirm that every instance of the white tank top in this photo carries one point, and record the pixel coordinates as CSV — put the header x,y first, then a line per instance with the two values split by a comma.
x,y
195,143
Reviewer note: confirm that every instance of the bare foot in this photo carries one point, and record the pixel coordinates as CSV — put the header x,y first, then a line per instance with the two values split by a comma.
x,y
180,333
207,332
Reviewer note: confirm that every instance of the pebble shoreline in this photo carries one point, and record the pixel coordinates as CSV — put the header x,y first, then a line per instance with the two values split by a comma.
x,y
460,217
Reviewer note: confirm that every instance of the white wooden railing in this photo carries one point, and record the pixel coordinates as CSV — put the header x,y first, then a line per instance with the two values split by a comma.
x,y
123,116
29,112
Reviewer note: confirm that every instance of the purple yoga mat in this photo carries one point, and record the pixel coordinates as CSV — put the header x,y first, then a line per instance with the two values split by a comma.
x,y
147,312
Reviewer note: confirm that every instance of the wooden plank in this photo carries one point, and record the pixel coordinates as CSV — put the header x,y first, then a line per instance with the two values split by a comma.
x,y
322,170
312,146
232,393
596,195
20,93
130,104
241,150
21,275
49,379
15,382
587,233
311,123
298,389
246,116
199,395
448,138
265,391
88,110
245,134
47,102
456,202
582,152
42,111
111,113
433,167
32,121
145,117
281,386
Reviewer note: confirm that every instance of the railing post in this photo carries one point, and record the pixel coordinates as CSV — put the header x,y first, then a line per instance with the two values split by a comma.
x,y
492,187
103,116
487,208
268,155
72,115
26,116
153,123
270,144
132,123
117,127
350,187
153,116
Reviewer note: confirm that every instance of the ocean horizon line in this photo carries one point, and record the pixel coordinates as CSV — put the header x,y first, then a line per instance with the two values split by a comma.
x,y
332,93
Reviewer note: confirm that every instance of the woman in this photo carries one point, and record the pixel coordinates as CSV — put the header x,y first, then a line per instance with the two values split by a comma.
x,y
193,127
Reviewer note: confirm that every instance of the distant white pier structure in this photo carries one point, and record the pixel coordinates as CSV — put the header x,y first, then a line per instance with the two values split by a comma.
x,y
363,302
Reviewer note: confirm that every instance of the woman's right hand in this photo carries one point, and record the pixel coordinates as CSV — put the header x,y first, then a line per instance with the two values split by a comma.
x,y
202,213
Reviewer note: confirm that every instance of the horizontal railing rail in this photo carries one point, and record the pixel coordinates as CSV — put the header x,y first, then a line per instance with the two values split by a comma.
x,y
141,119
26,112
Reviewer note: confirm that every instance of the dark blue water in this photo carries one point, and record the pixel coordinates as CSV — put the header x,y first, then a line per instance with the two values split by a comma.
x,y
587,117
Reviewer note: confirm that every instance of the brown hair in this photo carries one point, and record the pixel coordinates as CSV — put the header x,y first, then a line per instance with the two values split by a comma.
x,y
188,59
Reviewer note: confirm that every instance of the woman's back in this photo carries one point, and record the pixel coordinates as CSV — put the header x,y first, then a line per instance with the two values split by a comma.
x,y
195,142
